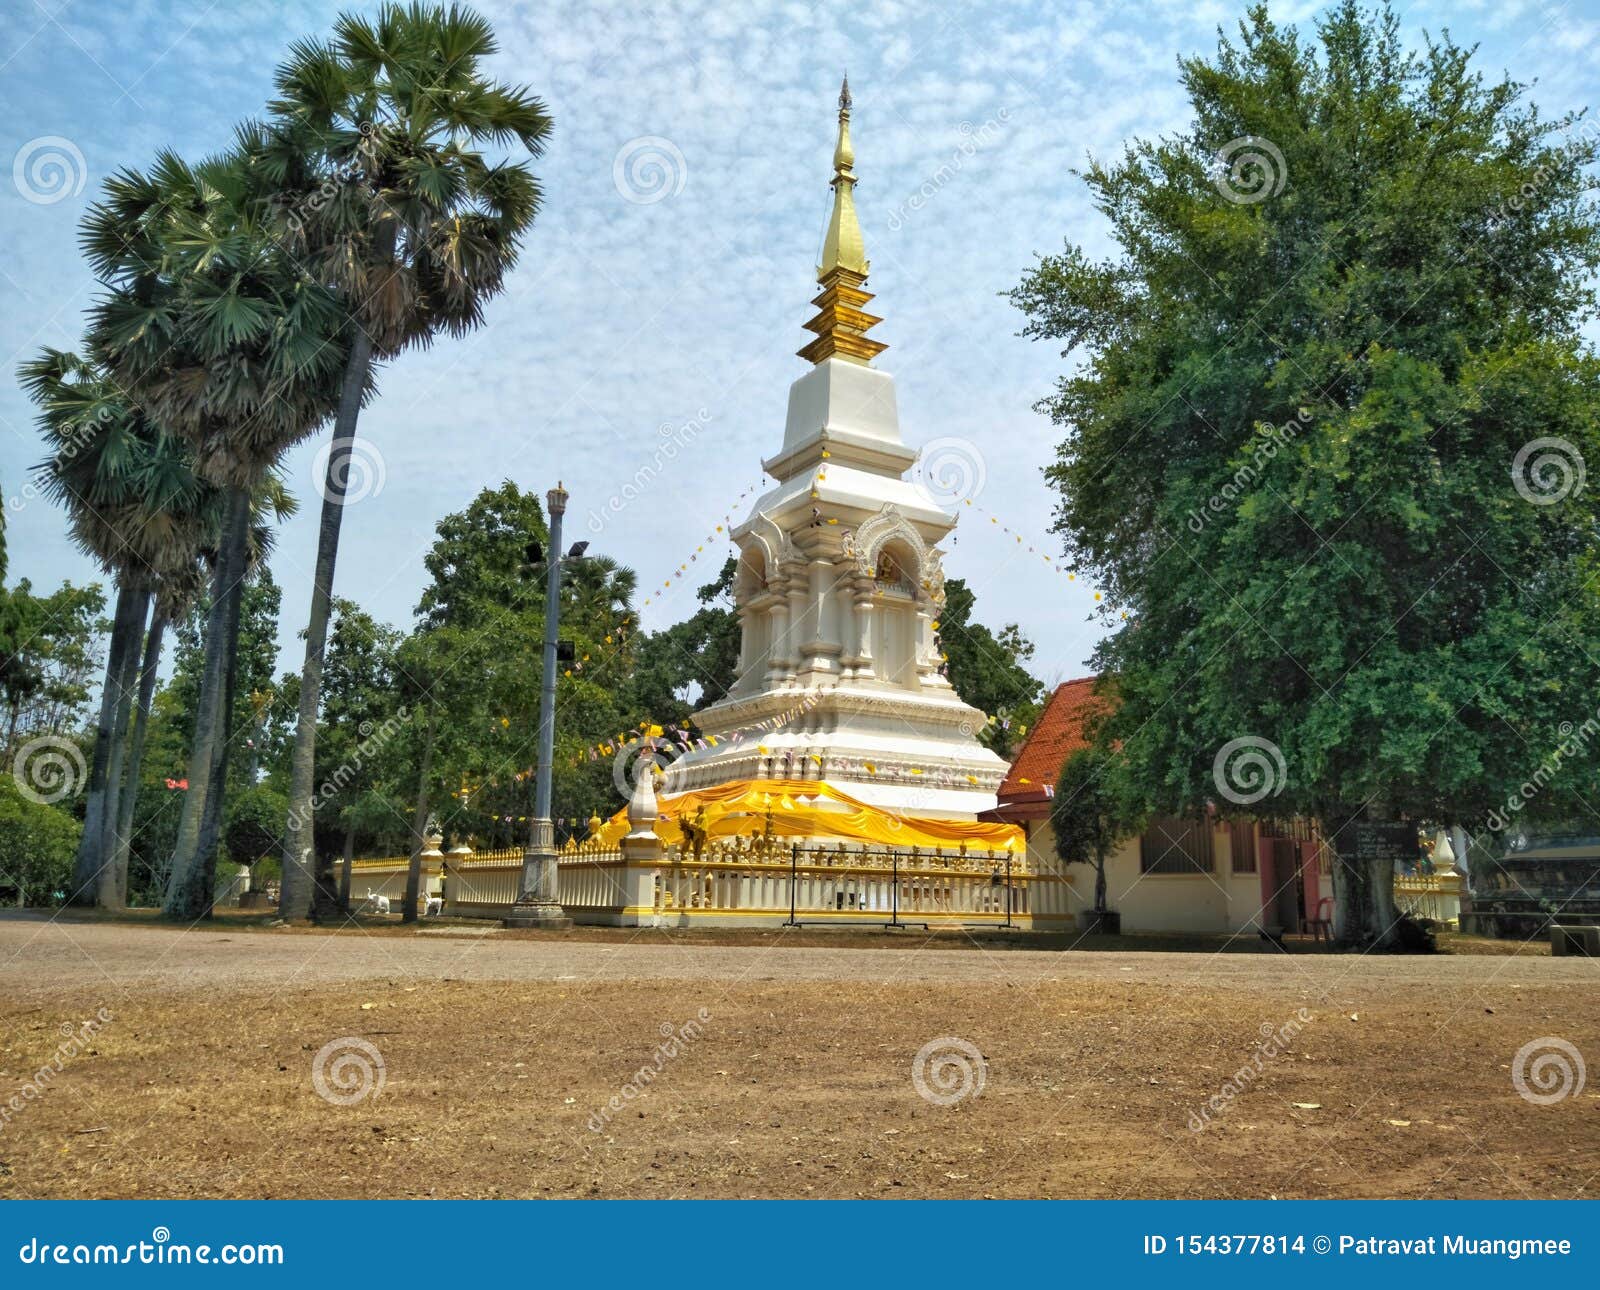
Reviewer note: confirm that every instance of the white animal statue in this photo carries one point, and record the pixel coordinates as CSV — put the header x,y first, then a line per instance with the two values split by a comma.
x,y
378,904
435,907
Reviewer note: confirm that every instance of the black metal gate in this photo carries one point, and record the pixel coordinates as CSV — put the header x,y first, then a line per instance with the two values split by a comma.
x,y
853,884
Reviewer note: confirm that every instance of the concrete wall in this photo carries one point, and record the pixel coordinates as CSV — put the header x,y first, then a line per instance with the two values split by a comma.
x,y
1220,901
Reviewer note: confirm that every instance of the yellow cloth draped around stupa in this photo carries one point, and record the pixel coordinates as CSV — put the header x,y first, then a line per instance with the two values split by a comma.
x,y
809,808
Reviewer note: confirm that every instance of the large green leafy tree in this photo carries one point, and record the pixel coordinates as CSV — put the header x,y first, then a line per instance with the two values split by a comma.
x,y
373,154
364,720
1315,448
693,663
47,660
989,669
1091,811
487,605
469,676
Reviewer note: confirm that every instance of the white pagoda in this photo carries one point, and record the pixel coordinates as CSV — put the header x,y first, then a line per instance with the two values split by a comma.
x,y
840,587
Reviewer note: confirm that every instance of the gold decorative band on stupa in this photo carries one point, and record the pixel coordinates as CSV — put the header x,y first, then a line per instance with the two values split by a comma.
x,y
841,324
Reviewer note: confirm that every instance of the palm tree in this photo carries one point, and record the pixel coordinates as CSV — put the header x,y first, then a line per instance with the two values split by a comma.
x,y
599,591
135,505
222,338
373,150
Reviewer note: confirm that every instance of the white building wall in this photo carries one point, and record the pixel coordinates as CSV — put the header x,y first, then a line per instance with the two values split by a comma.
x,y
1220,901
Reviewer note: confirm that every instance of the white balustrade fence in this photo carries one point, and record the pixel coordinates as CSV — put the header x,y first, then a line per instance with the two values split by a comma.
x,y
751,882
1429,895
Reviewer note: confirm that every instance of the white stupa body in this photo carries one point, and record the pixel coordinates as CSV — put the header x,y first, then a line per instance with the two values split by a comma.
x,y
839,591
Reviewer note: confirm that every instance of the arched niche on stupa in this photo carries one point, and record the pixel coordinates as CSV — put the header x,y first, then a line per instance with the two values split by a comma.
x,y
889,532
750,576
896,577
771,552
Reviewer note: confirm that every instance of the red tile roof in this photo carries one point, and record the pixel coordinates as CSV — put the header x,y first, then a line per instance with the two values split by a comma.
x,y
1057,734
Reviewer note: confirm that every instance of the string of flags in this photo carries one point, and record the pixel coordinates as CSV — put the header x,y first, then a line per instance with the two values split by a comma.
x,y
1055,565
685,740
720,531
614,637
620,630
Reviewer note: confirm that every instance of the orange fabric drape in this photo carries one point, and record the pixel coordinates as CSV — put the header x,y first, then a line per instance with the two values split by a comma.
x,y
811,808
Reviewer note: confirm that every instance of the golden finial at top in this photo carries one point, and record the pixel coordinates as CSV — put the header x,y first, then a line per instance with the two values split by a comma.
x,y
843,247
841,324
844,155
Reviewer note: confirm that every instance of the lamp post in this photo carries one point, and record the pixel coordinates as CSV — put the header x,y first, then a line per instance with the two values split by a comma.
x,y
539,890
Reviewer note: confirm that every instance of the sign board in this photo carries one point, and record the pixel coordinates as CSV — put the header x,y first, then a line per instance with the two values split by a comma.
x,y
1386,840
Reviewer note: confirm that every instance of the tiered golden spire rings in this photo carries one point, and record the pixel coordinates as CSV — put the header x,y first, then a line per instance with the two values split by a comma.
x,y
841,325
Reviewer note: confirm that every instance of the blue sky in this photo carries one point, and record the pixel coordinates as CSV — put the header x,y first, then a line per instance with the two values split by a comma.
x,y
640,310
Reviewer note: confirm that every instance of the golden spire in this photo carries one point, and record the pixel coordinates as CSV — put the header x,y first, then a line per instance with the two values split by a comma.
x,y
840,324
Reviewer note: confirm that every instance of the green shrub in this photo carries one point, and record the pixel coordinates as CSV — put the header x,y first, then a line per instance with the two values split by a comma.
x,y
37,847
254,829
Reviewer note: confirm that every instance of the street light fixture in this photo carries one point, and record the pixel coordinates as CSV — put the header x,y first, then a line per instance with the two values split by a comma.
x,y
539,889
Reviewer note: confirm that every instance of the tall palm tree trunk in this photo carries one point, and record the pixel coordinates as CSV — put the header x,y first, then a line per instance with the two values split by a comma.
x,y
129,798
419,824
107,893
190,887
216,795
86,867
299,836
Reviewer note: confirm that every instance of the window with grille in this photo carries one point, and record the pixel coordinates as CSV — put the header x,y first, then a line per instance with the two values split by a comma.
x,y
1176,846
1242,845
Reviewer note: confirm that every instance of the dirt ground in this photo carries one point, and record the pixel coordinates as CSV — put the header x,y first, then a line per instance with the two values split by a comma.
x,y
761,1064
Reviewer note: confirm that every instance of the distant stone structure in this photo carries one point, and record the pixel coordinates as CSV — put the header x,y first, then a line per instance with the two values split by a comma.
x,y
1521,892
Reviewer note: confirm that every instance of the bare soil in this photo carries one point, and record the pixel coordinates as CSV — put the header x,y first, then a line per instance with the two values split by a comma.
x,y
791,1070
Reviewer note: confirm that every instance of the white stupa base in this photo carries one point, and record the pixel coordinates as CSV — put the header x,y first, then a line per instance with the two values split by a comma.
x,y
913,754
